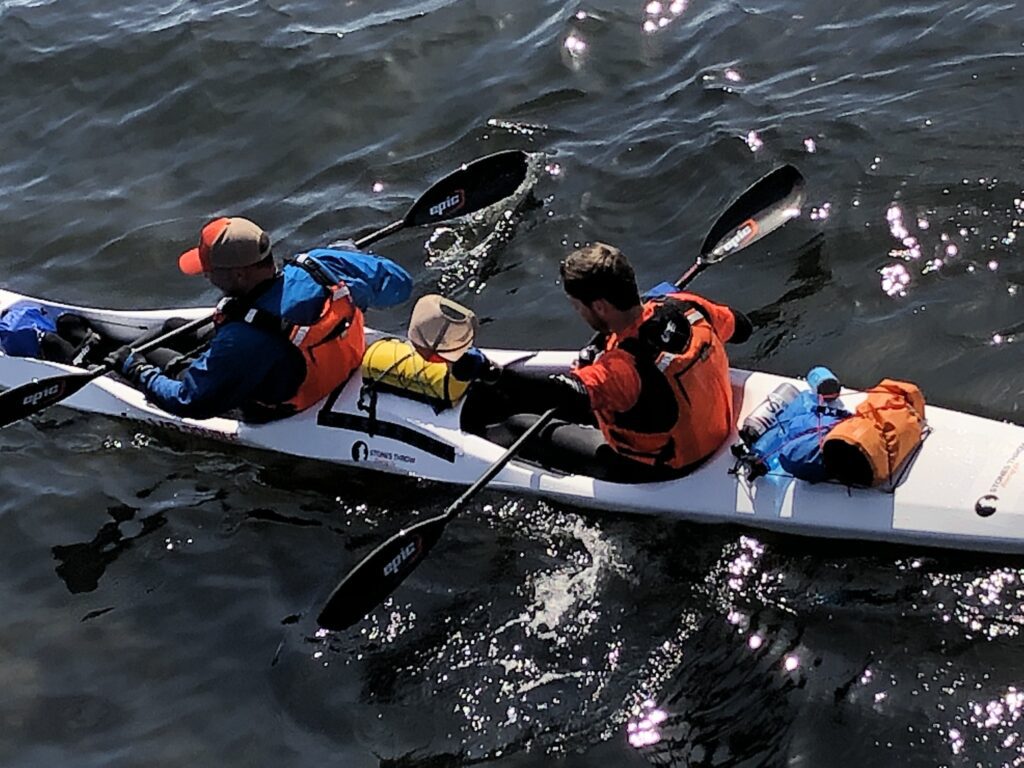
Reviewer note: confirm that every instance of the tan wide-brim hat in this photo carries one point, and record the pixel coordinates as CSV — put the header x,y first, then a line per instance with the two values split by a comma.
x,y
442,327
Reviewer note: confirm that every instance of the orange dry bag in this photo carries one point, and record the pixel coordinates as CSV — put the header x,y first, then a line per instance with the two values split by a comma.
x,y
871,446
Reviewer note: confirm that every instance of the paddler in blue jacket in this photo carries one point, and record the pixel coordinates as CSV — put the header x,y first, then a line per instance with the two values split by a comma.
x,y
284,338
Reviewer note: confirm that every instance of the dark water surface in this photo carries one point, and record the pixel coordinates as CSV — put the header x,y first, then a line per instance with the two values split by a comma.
x,y
158,594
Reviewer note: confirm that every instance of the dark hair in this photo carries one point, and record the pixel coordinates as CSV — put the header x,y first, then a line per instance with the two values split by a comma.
x,y
600,271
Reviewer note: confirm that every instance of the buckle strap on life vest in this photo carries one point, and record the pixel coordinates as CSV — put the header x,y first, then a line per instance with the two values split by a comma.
x,y
666,359
316,270
235,309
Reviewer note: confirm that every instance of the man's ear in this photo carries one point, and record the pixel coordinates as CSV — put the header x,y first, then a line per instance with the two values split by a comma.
x,y
601,307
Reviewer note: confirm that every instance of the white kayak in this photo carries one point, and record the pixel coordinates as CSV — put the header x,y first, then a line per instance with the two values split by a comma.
x,y
964,488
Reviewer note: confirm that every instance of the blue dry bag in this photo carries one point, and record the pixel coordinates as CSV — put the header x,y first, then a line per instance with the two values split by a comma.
x,y
801,454
794,443
22,326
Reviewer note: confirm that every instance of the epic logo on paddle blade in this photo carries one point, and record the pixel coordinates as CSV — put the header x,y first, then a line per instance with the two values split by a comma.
x,y
746,232
450,204
42,395
407,552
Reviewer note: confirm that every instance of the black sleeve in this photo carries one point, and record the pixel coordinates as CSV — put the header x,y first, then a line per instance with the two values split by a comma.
x,y
473,365
744,328
535,393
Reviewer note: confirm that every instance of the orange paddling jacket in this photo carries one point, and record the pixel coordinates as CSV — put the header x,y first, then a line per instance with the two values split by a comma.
x,y
684,411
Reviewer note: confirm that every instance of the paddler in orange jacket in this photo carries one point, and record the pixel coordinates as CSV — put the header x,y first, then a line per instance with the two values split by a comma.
x,y
657,393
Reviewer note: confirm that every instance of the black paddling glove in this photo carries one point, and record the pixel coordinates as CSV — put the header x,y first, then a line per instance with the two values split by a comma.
x,y
744,328
128,363
474,365
118,358
570,396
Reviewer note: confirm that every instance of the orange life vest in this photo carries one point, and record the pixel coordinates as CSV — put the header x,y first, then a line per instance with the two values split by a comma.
x,y
332,347
686,381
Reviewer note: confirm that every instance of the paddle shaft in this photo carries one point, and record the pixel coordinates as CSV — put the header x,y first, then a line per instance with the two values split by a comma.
x,y
381,233
497,466
194,325
695,269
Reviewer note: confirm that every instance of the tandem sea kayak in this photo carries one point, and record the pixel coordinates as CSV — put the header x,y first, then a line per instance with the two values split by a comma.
x,y
963,489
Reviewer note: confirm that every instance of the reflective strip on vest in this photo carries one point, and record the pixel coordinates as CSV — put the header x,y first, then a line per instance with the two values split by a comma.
x,y
693,316
665,359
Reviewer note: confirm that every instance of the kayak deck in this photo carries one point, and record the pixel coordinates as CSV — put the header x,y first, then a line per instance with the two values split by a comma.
x,y
964,488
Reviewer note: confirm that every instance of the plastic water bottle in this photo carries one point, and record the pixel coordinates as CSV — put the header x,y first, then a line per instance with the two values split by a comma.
x,y
825,383
765,416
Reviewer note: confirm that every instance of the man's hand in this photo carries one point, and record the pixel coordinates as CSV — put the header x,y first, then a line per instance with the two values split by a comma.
x,y
474,365
117,359
491,373
129,364
588,355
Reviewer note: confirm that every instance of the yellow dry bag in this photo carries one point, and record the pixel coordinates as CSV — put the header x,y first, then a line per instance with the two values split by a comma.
x,y
394,365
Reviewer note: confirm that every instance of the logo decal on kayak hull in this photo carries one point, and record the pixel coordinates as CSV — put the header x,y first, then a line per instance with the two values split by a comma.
x,y
1010,473
986,505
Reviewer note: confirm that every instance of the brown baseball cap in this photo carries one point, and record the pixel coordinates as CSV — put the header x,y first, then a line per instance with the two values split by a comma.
x,y
442,327
225,243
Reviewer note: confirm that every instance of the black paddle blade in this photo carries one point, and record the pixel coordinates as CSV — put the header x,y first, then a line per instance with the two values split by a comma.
x,y
474,186
765,206
27,399
380,573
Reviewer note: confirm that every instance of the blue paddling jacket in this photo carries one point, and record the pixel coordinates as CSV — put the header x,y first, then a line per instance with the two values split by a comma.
x,y
245,364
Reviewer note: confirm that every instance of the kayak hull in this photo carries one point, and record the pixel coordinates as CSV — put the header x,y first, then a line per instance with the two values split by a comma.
x,y
964,488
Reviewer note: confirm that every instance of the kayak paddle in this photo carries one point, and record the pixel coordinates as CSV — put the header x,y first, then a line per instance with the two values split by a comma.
x,y
765,206
472,187
379,573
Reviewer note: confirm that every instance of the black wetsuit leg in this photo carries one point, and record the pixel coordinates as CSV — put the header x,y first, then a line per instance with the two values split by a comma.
x,y
172,360
576,449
